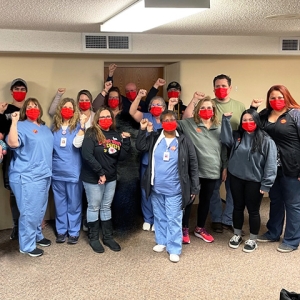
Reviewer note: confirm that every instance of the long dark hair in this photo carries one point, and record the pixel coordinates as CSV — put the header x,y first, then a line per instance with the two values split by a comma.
x,y
114,89
259,134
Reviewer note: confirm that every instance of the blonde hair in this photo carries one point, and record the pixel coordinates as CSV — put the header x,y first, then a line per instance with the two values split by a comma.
x,y
23,116
214,118
58,120
95,129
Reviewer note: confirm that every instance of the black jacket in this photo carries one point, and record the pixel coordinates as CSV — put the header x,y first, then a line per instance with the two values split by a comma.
x,y
187,164
286,135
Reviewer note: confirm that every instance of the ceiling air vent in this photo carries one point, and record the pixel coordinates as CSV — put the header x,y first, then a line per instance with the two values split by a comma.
x,y
106,43
290,44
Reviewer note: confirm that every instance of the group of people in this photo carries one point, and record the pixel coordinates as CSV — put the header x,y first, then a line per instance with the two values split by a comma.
x,y
177,151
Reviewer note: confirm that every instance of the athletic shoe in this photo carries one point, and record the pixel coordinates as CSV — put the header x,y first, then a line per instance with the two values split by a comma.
x,y
153,228
250,246
185,236
61,238
146,226
265,239
159,248
203,234
235,241
217,227
174,258
44,242
284,248
34,253
72,240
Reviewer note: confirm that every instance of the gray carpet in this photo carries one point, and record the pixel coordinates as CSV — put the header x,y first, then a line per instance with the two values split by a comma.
x,y
205,271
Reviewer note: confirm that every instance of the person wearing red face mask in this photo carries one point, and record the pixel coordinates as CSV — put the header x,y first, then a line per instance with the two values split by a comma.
x,y
18,89
156,107
204,131
280,120
221,219
252,165
68,131
30,173
102,148
170,181
174,91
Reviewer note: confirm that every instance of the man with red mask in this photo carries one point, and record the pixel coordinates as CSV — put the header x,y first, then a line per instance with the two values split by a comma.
x,y
174,91
18,89
224,104
131,91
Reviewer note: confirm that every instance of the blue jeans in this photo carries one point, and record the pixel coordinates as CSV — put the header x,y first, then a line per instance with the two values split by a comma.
x,y
99,197
216,207
285,199
168,221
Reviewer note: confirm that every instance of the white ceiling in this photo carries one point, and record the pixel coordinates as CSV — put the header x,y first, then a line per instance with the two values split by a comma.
x,y
225,17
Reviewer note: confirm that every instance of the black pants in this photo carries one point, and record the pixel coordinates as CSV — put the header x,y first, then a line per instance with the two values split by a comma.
x,y
246,194
206,191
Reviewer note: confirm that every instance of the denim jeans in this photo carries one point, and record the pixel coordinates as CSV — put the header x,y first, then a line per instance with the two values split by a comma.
x,y
216,206
99,197
285,199
168,221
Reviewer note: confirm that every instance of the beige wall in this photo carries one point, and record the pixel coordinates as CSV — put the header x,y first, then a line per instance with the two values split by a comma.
x,y
252,76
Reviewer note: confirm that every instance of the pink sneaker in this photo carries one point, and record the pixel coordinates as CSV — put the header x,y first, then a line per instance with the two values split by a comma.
x,y
203,234
185,236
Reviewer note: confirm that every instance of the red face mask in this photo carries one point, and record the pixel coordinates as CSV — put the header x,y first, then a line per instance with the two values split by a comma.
x,y
169,126
84,105
105,123
67,113
156,111
131,95
113,103
19,96
277,104
221,93
206,113
249,126
32,113
173,94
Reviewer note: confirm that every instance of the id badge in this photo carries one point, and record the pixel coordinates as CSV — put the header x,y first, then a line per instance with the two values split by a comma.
x,y
63,142
166,156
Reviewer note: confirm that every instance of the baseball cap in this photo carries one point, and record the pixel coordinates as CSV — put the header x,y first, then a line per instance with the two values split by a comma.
x,y
18,81
174,85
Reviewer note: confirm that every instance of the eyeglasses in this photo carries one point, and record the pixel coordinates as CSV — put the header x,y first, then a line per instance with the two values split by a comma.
x,y
105,117
158,105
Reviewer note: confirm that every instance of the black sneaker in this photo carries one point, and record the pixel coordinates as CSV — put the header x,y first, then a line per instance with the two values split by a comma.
x,y
61,238
15,233
235,241
44,242
72,240
34,253
250,246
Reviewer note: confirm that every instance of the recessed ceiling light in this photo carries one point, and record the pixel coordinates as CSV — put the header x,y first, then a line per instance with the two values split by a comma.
x,y
284,17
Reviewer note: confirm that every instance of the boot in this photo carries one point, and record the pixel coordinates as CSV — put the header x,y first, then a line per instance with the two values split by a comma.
x,y
94,237
108,240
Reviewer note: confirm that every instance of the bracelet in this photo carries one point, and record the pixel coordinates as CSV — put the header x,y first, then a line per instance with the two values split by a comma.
x,y
82,128
105,92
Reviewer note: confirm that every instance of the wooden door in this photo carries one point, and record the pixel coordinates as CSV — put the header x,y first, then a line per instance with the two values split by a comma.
x,y
143,77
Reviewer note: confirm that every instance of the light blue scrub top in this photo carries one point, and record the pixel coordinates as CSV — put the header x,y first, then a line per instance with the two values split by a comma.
x,y
32,159
66,160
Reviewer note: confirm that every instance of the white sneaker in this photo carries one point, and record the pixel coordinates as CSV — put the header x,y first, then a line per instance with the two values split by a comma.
x,y
146,226
159,248
174,258
153,228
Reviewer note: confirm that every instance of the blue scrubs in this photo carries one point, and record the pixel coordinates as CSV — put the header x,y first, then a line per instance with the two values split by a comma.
x,y
146,204
66,185
30,173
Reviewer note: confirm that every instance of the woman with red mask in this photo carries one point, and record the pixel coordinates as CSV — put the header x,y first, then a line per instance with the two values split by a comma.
x,y
170,181
281,120
68,131
252,167
204,131
156,106
30,173
102,148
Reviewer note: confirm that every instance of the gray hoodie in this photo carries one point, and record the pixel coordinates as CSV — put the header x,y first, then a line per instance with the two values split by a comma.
x,y
249,166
